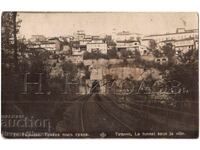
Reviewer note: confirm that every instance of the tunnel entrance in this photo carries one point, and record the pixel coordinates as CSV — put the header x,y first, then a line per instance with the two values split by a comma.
x,y
95,87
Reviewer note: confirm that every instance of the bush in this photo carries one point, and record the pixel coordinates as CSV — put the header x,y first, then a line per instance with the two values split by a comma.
x,y
94,55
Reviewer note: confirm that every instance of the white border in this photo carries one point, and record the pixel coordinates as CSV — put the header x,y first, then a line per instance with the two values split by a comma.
x,y
100,5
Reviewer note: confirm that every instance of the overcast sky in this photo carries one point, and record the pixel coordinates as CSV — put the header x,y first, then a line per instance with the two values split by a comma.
x,y
59,24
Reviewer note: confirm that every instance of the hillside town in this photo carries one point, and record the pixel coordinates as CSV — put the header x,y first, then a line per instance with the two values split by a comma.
x,y
121,55
74,47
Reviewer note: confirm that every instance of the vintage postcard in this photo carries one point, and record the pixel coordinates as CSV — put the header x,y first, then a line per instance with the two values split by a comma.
x,y
99,75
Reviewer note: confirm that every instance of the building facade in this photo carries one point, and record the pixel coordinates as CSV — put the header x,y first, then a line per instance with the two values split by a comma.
x,y
184,45
97,47
180,33
128,45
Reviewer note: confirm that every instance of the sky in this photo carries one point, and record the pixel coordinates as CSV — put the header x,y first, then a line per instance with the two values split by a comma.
x,y
62,24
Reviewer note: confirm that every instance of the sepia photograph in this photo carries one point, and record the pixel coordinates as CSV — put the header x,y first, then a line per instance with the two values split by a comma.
x,y
100,75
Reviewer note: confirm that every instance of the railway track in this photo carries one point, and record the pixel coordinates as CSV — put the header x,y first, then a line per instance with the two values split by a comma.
x,y
95,115
148,112
96,112
67,115
142,121
145,119
112,115
83,104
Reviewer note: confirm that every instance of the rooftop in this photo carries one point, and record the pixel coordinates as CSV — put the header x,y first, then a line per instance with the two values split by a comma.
x,y
185,31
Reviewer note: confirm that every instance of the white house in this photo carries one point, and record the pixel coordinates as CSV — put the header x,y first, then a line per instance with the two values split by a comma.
x,y
97,47
180,33
184,45
130,45
50,46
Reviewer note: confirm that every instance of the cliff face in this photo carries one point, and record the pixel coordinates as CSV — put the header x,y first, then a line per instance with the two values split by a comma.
x,y
131,72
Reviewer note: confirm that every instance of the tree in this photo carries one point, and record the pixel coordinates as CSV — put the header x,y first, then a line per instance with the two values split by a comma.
x,y
10,28
126,53
94,55
10,67
112,53
81,65
152,44
86,55
187,75
15,42
38,60
156,53
69,69
189,57
169,51
137,57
